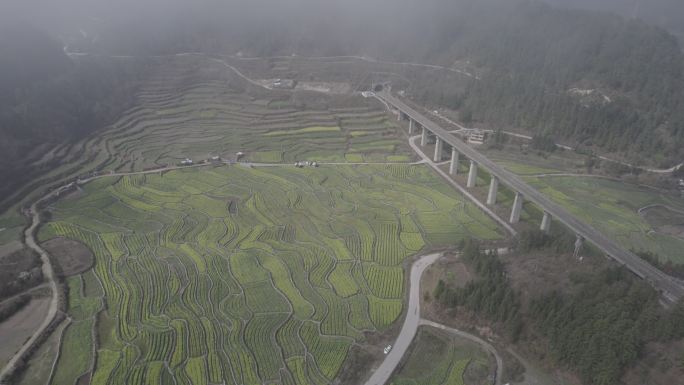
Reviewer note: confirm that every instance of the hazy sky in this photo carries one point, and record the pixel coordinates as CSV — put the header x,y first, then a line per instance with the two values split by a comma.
x,y
64,17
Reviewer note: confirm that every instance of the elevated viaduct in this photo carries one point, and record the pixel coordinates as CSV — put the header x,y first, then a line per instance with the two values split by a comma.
x,y
671,288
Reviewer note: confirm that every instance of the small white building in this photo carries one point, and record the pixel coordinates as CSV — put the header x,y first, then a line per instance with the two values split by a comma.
x,y
186,162
476,137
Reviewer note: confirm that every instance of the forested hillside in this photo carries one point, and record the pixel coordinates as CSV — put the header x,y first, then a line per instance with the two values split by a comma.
x,y
665,13
583,77
598,328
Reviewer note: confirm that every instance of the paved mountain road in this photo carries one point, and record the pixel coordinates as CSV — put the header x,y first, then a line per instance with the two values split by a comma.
x,y
382,374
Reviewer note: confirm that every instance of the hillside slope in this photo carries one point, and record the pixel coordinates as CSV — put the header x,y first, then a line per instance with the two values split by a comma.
x,y
583,77
47,100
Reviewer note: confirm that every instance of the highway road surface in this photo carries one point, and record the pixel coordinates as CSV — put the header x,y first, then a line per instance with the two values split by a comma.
x,y
671,288
382,374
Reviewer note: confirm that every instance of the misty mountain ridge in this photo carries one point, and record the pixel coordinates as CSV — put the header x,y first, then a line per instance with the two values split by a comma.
x,y
525,49
530,58
668,14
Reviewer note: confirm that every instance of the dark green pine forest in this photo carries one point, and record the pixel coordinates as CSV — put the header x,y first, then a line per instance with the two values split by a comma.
x,y
534,61
598,329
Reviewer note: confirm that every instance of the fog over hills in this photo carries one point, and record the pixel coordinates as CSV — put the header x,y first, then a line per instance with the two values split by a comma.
x,y
665,13
529,55
341,192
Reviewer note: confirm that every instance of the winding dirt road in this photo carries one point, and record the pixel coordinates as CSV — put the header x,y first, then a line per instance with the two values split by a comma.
x,y
49,275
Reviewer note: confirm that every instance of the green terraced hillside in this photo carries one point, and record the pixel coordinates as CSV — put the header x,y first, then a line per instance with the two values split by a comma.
x,y
194,107
207,112
243,275
613,208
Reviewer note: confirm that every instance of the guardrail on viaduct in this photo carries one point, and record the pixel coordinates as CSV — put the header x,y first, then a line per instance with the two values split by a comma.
x,y
671,289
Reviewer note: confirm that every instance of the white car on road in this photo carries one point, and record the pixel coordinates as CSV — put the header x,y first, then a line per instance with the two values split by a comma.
x,y
387,349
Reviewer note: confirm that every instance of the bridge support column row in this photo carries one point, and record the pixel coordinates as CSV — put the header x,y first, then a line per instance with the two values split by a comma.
x,y
546,223
517,208
423,137
412,124
439,146
453,167
493,190
472,175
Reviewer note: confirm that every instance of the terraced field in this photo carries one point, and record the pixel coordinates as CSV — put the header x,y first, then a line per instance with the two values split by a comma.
x,y
438,359
195,107
209,113
244,275
613,208
639,218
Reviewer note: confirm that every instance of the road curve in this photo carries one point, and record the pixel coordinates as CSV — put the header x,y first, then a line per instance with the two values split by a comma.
x,y
383,373
487,346
672,289
48,274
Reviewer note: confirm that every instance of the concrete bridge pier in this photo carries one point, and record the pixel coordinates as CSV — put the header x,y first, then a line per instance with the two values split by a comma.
x,y
546,223
517,208
493,190
439,147
412,124
453,167
472,175
423,137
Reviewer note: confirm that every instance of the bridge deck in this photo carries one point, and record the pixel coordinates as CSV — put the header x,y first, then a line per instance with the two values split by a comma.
x,y
670,287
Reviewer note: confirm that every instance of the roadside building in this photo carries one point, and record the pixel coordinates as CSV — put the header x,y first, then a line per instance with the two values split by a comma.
x,y
476,137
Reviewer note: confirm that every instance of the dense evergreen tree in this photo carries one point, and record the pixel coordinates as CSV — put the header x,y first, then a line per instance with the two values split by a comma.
x,y
589,78
490,294
601,329
597,329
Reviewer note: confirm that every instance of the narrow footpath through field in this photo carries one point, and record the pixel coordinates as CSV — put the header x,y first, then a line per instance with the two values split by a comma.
x,y
435,166
49,275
